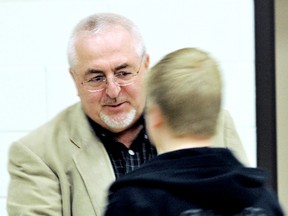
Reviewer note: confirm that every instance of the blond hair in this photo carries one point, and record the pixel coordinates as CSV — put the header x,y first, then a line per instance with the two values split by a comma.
x,y
186,84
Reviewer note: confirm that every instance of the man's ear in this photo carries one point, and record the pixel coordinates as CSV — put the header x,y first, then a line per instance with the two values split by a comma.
x,y
72,74
146,61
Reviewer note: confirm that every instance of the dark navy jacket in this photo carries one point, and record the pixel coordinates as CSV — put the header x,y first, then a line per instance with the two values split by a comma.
x,y
198,181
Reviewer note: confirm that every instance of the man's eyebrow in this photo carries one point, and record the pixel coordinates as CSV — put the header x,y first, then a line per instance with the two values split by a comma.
x,y
124,65
91,71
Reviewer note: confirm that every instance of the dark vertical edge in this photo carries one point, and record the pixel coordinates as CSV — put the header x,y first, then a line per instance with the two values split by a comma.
x,y
265,88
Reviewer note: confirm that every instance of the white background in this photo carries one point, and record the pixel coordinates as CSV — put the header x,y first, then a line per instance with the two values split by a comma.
x,y
35,84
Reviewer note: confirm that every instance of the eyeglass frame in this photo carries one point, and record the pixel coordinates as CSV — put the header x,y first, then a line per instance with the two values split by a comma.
x,y
114,79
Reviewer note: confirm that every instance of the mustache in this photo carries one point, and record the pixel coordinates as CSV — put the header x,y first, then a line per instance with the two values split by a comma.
x,y
113,101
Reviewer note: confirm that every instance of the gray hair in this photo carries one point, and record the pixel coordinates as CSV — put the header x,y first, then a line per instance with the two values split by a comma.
x,y
100,22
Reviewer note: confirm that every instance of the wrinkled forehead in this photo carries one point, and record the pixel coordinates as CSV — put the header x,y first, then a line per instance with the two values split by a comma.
x,y
105,53
115,39
106,45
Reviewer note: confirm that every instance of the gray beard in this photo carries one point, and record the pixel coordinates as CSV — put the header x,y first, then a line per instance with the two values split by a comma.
x,y
118,122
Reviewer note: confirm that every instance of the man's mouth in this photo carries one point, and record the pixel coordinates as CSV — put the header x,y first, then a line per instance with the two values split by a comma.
x,y
114,105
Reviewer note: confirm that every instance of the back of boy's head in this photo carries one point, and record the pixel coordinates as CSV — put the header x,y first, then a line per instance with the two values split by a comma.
x,y
186,84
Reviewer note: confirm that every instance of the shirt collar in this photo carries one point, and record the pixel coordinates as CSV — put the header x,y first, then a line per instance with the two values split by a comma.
x,y
107,136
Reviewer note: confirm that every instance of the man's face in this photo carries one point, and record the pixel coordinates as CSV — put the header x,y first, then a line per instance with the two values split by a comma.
x,y
116,107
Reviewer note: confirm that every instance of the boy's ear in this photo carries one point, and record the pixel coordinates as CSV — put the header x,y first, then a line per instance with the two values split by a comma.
x,y
156,116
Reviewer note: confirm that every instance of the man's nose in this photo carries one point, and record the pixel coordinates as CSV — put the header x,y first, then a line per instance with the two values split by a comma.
x,y
112,88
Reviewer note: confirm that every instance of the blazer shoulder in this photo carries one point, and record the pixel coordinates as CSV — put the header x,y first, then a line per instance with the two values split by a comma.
x,y
53,137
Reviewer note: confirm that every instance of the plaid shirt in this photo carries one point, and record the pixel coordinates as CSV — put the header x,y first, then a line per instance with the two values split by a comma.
x,y
125,159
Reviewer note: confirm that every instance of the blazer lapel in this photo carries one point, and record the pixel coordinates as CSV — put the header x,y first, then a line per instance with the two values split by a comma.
x,y
95,168
92,162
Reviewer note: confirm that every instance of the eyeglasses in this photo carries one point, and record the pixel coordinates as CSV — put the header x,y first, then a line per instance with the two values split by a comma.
x,y
122,78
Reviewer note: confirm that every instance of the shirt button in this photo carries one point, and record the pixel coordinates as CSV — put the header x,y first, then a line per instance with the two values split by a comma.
x,y
131,152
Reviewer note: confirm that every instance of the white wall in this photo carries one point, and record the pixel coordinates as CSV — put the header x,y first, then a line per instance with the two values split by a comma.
x,y
35,84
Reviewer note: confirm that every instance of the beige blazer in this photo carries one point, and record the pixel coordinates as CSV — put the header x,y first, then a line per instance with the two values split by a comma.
x,y
62,168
